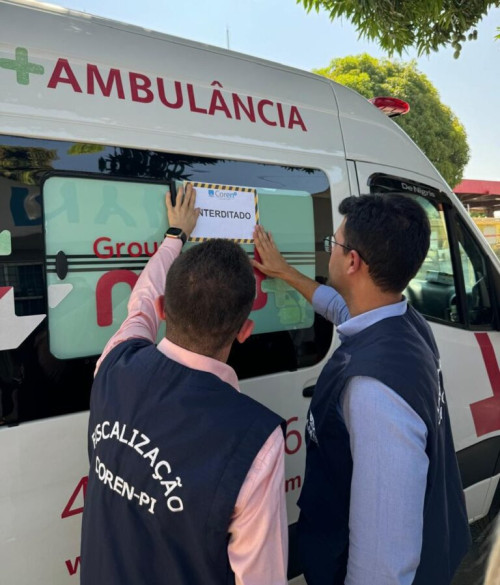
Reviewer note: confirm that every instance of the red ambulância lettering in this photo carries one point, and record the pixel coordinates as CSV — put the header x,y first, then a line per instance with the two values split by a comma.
x,y
172,94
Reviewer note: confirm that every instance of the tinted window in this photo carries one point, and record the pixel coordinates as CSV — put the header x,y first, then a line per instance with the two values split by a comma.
x,y
477,286
453,283
47,369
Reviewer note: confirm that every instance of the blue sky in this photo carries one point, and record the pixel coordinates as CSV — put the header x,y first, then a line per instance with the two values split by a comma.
x,y
281,30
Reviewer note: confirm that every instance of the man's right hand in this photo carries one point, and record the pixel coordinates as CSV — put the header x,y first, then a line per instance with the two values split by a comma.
x,y
272,262
184,215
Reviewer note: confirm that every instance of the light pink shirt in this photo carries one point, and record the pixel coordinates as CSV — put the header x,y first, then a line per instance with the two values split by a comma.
x,y
258,546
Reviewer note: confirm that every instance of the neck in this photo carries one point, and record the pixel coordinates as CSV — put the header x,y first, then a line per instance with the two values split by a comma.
x,y
221,355
362,301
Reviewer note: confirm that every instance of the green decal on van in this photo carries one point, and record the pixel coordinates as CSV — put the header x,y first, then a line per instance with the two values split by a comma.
x,y
100,233
289,216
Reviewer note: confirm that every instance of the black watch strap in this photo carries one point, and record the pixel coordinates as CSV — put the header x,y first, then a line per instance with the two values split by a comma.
x,y
174,232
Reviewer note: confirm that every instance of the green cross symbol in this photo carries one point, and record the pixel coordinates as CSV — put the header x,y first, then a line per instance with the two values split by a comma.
x,y
22,66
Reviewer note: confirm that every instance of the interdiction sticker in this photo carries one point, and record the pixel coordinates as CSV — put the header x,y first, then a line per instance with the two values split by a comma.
x,y
226,211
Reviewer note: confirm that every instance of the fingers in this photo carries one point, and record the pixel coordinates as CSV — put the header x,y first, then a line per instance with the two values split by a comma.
x,y
262,234
183,214
259,234
191,195
263,239
186,198
168,200
180,197
259,231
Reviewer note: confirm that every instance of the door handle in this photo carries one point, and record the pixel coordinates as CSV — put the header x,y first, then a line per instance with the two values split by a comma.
x,y
61,265
308,391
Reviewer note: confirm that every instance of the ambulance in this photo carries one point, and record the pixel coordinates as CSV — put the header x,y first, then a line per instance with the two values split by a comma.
x,y
98,119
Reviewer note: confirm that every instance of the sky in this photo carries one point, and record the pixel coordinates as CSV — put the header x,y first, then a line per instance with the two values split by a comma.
x,y
282,31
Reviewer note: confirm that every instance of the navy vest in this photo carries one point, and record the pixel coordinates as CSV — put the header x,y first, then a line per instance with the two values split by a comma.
x,y
169,450
401,353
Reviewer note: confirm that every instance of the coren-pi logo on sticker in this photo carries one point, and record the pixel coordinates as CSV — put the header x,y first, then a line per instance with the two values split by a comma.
x,y
222,194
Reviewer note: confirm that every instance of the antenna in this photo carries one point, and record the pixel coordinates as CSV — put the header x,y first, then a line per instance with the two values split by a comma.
x,y
227,37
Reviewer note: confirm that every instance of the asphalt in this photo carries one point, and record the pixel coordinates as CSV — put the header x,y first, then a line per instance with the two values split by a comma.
x,y
472,569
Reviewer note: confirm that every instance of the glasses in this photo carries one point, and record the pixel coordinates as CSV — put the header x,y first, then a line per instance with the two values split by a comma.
x,y
330,241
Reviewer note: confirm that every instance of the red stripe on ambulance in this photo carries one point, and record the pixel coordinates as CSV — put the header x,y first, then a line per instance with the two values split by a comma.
x,y
486,412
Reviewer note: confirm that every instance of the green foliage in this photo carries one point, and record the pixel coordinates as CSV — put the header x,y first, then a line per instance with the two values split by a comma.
x,y
25,165
431,124
84,148
397,25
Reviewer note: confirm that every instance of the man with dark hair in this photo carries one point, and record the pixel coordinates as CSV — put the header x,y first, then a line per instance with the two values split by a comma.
x,y
382,500
210,292
392,235
186,482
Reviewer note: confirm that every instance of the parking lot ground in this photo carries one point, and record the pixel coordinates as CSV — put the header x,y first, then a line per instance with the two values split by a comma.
x,y
473,567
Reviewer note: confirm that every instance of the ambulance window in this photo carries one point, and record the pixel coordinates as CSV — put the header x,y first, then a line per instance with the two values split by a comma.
x,y
475,274
77,224
101,227
432,291
27,280
452,284
99,234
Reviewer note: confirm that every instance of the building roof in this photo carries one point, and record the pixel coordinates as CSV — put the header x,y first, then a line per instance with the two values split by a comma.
x,y
472,186
476,193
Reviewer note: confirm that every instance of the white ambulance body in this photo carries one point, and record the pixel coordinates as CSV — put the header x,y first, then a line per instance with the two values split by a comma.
x,y
97,120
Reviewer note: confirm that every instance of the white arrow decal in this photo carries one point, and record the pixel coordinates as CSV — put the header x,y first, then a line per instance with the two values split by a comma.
x,y
13,329
58,292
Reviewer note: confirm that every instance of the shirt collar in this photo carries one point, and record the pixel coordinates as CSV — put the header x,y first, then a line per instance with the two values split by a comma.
x,y
200,362
356,324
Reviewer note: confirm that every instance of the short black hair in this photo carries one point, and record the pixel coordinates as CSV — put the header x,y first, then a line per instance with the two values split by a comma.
x,y
391,232
209,293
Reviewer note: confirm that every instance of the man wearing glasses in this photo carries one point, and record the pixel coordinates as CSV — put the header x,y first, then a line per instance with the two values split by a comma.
x,y
382,500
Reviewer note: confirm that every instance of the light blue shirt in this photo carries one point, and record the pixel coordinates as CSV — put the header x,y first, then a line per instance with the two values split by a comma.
x,y
388,440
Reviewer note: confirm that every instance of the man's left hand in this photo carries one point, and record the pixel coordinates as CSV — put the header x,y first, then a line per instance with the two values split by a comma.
x,y
184,215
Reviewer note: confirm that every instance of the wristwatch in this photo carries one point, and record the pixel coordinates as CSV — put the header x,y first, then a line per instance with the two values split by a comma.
x,y
174,232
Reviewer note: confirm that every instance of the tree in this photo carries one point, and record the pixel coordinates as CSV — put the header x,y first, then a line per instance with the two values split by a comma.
x,y
25,164
431,124
397,25
151,164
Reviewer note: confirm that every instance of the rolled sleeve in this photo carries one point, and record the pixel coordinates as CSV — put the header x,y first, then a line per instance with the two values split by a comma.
x,y
328,303
142,319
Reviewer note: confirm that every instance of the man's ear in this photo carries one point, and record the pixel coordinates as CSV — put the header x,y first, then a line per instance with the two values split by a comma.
x,y
160,307
245,330
355,262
